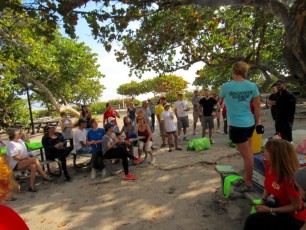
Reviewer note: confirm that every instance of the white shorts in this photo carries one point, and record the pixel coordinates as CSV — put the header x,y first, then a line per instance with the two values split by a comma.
x,y
148,148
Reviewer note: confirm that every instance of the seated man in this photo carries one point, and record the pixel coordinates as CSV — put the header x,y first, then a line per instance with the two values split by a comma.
x,y
81,144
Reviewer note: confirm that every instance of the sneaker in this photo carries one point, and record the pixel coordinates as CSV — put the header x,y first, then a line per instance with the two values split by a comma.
x,y
243,188
238,182
137,160
163,145
32,189
153,161
219,131
67,178
93,174
129,177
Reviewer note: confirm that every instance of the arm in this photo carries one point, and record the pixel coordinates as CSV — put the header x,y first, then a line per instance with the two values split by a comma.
x,y
199,109
117,114
257,110
2,142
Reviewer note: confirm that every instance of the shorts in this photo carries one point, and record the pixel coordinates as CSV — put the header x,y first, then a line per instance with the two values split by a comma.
x,y
208,122
148,148
182,122
172,132
240,134
196,117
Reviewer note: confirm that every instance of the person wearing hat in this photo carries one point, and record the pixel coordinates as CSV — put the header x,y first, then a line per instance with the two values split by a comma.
x,y
300,181
167,118
81,144
180,110
285,110
55,147
112,120
111,149
19,158
158,112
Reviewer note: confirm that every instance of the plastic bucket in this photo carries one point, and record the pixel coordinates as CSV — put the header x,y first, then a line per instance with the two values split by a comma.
x,y
256,142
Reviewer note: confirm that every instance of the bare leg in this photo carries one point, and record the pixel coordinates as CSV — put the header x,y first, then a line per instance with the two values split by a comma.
x,y
248,158
175,140
32,167
194,127
169,141
210,131
203,132
218,124
25,164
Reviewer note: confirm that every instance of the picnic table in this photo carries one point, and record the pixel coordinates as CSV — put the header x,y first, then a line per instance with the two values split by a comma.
x,y
41,123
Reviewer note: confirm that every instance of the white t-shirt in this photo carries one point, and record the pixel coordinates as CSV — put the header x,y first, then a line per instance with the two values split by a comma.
x,y
79,135
168,118
180,106
15,148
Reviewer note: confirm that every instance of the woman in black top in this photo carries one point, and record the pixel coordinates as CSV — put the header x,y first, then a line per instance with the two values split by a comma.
x,y
86,114
55,147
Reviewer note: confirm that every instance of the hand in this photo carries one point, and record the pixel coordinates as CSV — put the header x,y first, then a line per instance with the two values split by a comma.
x,y
262,208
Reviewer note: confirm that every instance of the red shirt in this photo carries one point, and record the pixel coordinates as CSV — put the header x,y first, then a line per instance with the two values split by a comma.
x,y
282,191
110,113
10,219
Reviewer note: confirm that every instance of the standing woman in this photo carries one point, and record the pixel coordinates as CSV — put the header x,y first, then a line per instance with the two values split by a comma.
x,y
55,147
86,114
131,112
66,126
19,158
143,129
110,112
237,95
287,212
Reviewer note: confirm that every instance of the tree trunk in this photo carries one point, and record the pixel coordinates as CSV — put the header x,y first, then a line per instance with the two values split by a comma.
x,y
44,91
3,118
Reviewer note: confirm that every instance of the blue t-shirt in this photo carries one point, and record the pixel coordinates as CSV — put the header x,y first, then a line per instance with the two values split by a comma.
x,y
237,97
95,135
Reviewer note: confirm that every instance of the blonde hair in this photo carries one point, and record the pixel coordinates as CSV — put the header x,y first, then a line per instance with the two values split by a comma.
x,y
283,158
241,68
139,117
6,180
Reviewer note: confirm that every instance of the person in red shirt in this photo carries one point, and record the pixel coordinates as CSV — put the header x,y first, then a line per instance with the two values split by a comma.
x,y
9,218
110,112
287,210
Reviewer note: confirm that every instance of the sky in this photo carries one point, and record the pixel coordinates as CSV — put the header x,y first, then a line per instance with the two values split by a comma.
x,y
116,73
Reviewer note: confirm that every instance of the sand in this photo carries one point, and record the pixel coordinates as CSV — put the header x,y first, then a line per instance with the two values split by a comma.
x,y
182,191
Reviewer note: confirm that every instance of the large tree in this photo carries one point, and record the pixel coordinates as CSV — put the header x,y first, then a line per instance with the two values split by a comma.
x,y
60,70
110,20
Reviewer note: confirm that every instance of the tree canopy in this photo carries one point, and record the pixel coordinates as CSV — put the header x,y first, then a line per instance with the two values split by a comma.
x,y
61,71
111,20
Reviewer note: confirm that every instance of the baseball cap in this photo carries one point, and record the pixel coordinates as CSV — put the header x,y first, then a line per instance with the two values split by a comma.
x,y
163,97
108,125
300,177
82,120
110,119
280,81
167,104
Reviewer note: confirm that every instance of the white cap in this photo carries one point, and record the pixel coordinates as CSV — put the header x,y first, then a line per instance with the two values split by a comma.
x,y
110,119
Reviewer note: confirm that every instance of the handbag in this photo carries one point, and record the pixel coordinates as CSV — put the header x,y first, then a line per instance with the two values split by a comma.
x,y
260,129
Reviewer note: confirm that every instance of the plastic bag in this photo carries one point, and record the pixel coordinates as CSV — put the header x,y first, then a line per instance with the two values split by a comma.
x,y
199,144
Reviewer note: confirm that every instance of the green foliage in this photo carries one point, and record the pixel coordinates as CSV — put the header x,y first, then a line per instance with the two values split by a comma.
x,y
44,113
18,112
97,107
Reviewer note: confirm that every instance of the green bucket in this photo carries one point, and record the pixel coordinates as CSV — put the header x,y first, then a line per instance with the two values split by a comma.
x,y
227,187
256,201
33,145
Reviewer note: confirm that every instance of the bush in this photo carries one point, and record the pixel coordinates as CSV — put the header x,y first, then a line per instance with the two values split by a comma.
x,y
97,107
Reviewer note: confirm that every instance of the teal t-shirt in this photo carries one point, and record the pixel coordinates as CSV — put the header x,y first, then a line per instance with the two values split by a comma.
x,y
237,97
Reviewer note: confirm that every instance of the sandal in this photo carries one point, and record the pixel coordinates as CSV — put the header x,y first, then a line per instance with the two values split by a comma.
x,y
32,189
47,179
238,182
243,188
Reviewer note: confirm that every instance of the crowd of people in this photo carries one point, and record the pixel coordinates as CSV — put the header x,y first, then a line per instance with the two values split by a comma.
x,y
238,103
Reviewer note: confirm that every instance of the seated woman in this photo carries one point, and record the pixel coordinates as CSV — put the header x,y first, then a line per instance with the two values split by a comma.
x,y
143,129
66,126
9,218
55,147
287,212
94,136
20,160
112,150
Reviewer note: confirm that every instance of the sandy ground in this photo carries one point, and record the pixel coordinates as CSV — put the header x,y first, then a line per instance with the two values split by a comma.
x,y
182,191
